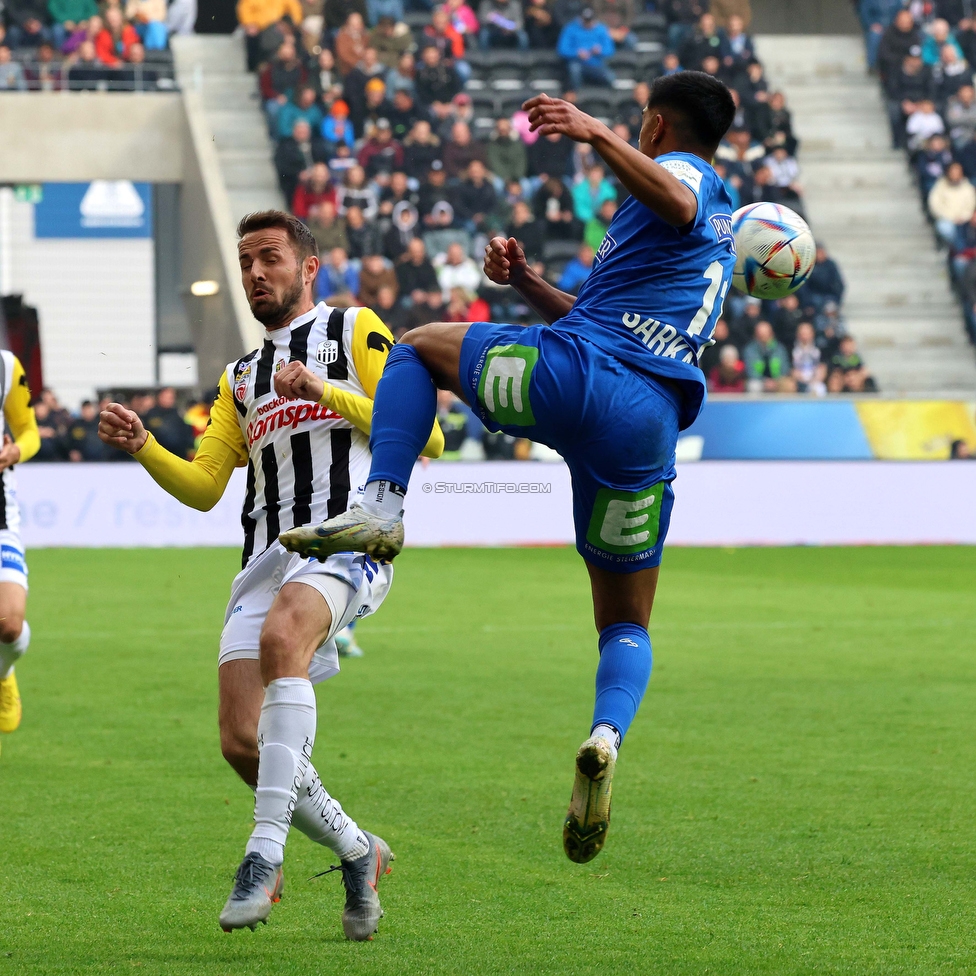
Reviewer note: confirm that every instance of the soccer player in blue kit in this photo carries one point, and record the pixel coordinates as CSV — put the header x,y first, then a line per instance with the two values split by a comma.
x,y
608,383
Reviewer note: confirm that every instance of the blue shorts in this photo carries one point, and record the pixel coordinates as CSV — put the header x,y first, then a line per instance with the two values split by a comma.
x,y
615,427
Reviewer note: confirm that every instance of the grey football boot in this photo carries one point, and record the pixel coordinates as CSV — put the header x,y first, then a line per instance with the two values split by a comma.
x,y
588,820
257,889
362,913
355,530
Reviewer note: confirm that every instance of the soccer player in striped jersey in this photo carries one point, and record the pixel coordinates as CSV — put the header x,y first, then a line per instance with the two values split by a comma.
x,y
305,460
19,418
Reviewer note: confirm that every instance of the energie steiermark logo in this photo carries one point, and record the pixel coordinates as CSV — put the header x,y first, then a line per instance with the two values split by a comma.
x,y
625,522
504,384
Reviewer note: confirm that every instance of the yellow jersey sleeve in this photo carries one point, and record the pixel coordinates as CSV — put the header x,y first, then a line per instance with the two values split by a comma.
x,y
200,483
371,344
19,414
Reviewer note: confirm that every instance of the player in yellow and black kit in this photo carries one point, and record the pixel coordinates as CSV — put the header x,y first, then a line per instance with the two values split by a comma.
x,y
19,419
297,412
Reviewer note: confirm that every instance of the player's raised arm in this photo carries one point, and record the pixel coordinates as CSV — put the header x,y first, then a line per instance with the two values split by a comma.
x,y
505,264
672,123
199,483
650,183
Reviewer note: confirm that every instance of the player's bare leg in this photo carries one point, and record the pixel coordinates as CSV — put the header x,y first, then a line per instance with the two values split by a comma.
x,y
428,357
14,639
296,625
618,598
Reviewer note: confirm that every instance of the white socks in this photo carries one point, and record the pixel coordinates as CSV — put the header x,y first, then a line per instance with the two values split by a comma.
x,y
11,653
286,734
609,733
320,818
383,499
289,790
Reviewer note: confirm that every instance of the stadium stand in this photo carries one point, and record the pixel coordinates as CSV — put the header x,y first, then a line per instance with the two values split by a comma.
x,y
860,201
380,126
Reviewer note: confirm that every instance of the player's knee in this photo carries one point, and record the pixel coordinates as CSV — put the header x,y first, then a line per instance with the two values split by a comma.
x,y
10,626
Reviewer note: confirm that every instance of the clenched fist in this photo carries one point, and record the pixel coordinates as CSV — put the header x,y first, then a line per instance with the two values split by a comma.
x,y
121,428
504,261
297,382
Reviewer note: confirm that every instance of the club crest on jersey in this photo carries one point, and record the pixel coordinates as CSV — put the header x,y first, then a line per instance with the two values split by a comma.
x,y
243,373
327,352
722,225
279,366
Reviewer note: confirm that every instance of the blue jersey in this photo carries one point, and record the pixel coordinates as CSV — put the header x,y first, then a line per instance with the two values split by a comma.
x,y
656,291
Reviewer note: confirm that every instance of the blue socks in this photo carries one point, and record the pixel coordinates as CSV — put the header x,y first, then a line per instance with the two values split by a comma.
x,y
622,676
403,415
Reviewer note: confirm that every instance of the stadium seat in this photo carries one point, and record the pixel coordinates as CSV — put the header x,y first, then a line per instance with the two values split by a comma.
x,y
511,102
645,21
417,20
507,77
601,103
546,73
559,250
159,58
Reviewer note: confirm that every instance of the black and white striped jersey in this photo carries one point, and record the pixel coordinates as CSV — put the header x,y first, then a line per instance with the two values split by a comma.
x,y
305,461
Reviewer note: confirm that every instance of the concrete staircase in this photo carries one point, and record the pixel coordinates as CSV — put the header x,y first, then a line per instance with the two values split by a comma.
x,y
215,66
863,205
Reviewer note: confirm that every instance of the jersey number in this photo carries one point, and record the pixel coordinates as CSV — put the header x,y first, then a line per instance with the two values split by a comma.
x,y
714,274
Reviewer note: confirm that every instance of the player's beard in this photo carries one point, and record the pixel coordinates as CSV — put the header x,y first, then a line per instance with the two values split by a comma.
x,y
276,314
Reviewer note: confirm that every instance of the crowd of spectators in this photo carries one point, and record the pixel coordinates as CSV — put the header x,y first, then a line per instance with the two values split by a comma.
x,y
84,45
925,55
400,140
67,436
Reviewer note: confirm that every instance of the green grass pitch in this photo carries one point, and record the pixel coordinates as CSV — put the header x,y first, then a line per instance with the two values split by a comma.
x,y
797,795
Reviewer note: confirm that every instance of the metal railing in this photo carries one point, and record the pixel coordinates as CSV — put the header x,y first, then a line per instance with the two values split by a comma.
x,y
63,77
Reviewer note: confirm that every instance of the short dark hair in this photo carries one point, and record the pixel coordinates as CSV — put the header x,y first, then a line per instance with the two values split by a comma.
x,y
703,102
299,235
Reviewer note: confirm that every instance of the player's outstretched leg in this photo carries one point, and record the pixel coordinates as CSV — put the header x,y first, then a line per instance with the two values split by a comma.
x,y
403,415
363,857
621,680
286,733
10,653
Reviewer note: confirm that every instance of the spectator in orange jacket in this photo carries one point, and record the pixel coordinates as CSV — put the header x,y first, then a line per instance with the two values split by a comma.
x,y
259,14
113,43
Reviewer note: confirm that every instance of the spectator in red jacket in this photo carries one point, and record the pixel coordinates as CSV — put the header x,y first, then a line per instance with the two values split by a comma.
x,y
113,43
381,153
313,189
729,376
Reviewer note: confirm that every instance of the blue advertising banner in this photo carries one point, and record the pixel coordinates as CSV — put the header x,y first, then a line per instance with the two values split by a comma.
x,y
754,430
102,208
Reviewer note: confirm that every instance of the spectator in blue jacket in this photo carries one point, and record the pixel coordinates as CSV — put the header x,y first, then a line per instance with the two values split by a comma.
x,y
585,44
590,194
304,108
577,271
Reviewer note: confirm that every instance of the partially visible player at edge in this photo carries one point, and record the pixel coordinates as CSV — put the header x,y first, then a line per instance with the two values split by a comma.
x,y
608,383
15,632
304,463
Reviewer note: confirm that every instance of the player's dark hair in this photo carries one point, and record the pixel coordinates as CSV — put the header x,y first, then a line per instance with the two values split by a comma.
x,y
702,102
299,235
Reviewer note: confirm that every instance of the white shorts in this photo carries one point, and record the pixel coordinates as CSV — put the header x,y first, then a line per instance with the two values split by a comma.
x,y
13,565
351,584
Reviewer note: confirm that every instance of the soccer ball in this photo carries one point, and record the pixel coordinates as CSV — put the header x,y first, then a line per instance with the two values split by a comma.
x,y
775,250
